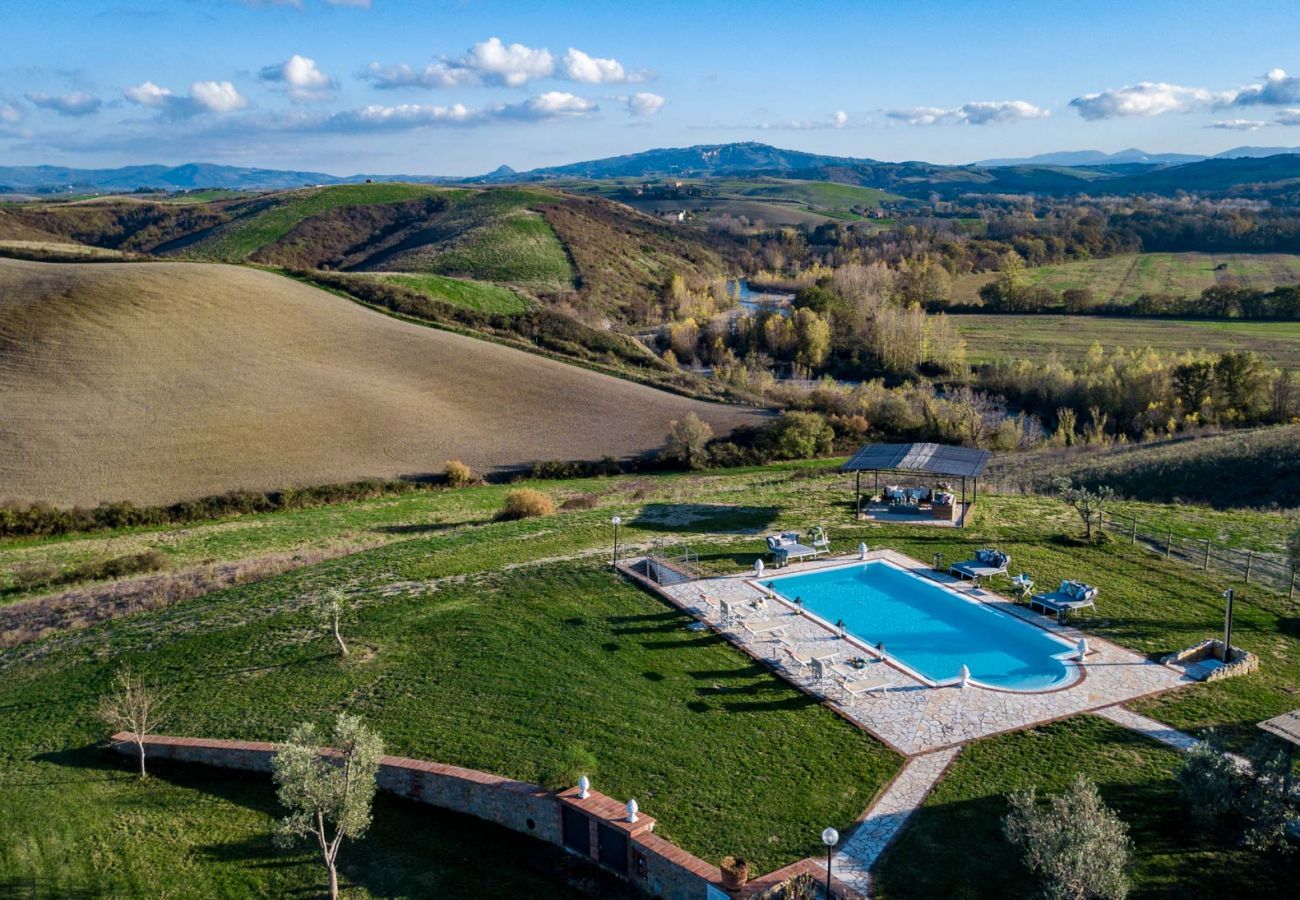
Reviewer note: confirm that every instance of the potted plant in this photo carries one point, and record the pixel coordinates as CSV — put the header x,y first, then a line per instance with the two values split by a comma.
x,y
839,626
735,872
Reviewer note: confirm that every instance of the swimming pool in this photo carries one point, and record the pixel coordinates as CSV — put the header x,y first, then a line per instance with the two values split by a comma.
x,y
930,629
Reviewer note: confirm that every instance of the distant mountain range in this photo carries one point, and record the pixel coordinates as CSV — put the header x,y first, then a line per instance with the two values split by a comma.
x,y
1075,172
1132,155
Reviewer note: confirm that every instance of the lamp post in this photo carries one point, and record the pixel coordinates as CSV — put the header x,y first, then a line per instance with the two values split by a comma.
x,y
1227,625
616,521
830,837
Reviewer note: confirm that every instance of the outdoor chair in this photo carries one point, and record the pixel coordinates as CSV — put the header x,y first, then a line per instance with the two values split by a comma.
x,y
986,564
802,660
820,542
1070,596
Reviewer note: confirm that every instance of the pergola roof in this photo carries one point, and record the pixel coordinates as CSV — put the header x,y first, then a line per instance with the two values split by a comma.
x,y
1285,726
936,459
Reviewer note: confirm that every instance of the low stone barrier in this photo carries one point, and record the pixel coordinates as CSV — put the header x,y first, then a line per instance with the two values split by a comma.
x,y
1239,662
631,849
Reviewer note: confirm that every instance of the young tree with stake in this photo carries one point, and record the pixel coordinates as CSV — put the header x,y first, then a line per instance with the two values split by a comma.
x,y
334,605
329,793
132,705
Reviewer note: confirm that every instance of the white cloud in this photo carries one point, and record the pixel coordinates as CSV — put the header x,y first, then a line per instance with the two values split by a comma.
x,y
10,114
991,112
150,95
550,105
840,119
512,65
299,5
74,104
1287,117
1239,125
509,65
579,66
1277,89
1145,99
204,96
980,112
376,117
354,4
301,78
217,96
644,104
434,75
918,115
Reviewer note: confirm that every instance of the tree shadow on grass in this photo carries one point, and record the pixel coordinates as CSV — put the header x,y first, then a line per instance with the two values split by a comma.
x,y
649,623
417,528
704,518
686,643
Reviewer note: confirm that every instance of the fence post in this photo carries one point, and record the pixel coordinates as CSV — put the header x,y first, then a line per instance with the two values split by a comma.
x,y
1169,543
1250,561
1205,567
1133,535
1291,594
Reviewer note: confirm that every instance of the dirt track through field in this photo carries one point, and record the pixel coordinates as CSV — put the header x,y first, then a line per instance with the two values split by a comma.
x,y
155,382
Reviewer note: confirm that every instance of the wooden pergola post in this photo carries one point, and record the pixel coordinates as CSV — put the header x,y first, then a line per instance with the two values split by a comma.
x,y
857,493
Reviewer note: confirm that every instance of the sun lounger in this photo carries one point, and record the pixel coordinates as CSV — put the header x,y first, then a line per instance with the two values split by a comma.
x,y
785,548
862,686
802,660
1070,596
765,626
986,564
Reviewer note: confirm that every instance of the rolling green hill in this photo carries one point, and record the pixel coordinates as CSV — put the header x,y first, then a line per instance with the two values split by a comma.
x,y
585,254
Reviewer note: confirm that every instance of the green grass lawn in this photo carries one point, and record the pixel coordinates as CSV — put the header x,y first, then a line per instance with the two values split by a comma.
x,y
991,336
1124,278
479,295
505,646
954,846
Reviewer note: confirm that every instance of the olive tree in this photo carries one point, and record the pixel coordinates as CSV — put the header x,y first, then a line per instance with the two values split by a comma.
x,y
1089,504
1075,843
328,791
134,706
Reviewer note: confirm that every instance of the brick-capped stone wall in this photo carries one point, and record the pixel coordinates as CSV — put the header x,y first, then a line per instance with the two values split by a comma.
x,y
656,866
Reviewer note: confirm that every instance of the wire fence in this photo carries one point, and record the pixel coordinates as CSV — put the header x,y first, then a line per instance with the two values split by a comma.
x,y
1251,566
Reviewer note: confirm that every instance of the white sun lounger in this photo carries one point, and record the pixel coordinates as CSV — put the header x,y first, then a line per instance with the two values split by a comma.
x,y
764,626
862,686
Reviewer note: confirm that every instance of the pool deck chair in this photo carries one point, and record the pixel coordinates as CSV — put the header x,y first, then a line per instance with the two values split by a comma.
x,y
1070,596
802,660
765,626
986,564
820,542
856,689
785,548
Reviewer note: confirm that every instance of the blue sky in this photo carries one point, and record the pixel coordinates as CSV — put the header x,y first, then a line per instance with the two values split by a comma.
x,y
392,86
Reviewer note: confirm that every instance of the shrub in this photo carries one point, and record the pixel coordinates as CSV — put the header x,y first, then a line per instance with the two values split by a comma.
x,y
1077,845
583,501
118,567
524,503
1209,783
687,442
801,435
458,474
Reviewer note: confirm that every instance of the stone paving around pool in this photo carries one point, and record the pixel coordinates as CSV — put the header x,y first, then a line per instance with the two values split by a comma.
x,y
911,716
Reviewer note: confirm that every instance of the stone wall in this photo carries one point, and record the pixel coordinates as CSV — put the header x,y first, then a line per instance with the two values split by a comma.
x,y
656,866
1240,662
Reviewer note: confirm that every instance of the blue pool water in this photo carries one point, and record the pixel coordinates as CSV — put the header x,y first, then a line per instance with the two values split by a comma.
x,y
930,629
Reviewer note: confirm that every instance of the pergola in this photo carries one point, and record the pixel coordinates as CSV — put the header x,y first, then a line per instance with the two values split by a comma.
x,y
1287,727
930,459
